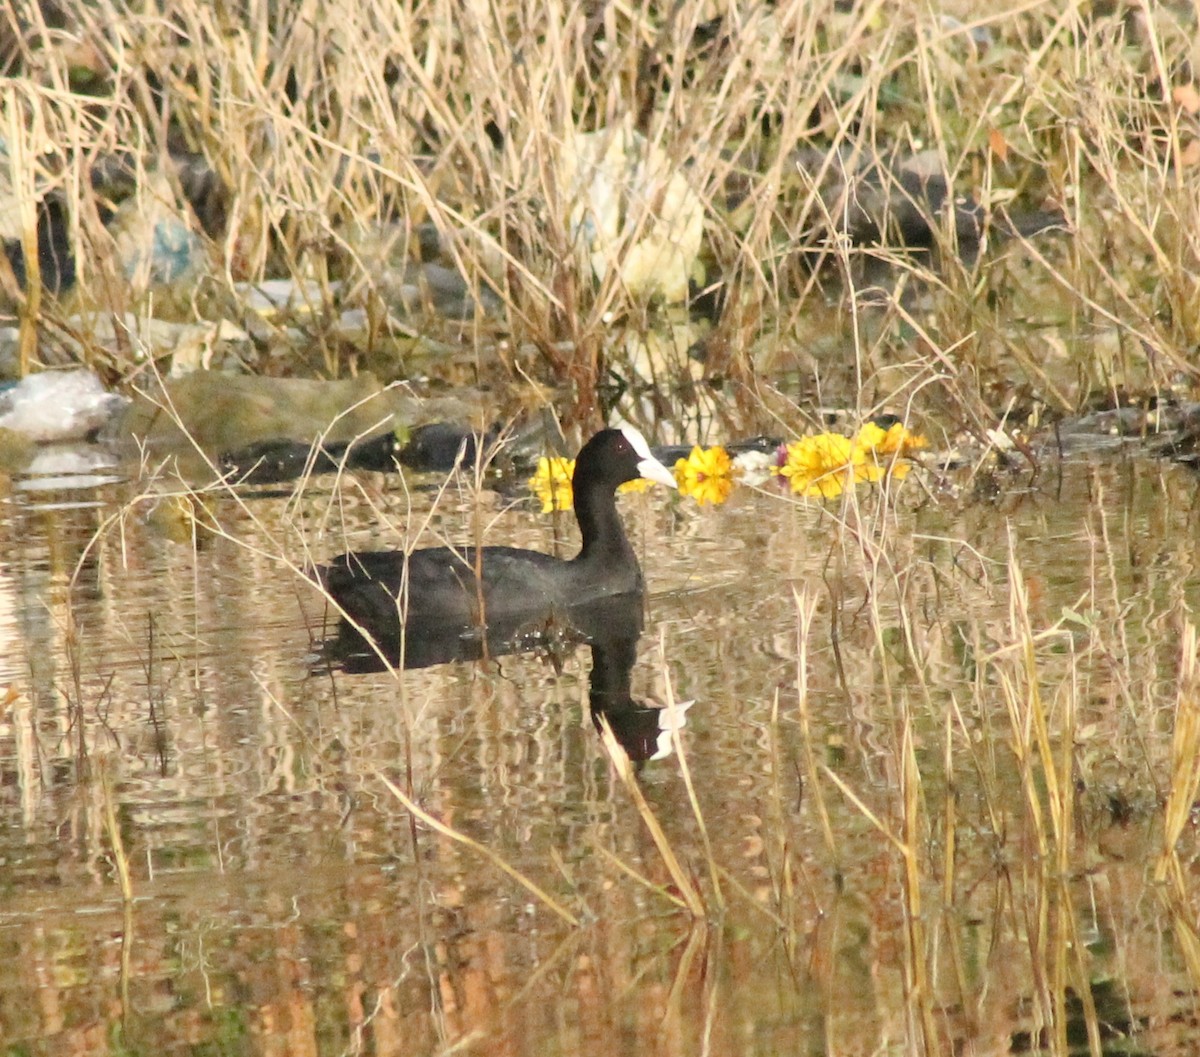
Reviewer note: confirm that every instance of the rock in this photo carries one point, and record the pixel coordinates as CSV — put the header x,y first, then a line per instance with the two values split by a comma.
x,y
903,200
433,448
436,286
439,446
229,412
189,345
154,240
115,176
273,298
58,406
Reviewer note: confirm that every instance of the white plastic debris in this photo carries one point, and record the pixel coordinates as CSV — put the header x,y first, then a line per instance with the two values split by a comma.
x,y
755,467
671,720
270,297
633,211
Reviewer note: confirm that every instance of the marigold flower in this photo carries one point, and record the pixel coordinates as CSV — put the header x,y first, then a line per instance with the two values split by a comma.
x,y
895,440
886,451
552,483
706,475
823,465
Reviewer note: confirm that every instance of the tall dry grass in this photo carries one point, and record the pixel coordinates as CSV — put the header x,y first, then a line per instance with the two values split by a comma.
x,y
328,130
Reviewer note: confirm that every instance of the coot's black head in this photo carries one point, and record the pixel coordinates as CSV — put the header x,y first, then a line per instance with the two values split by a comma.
x,y
614,456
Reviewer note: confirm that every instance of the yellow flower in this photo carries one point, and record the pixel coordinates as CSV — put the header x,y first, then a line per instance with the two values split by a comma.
x,y
552,483
823,465
885,451
638,484
895,440
706,475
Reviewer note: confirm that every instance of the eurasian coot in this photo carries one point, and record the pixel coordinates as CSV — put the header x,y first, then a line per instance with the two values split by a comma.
x,y
444,587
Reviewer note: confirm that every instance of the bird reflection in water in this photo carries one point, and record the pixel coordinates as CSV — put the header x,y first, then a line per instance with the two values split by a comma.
x,y
610,626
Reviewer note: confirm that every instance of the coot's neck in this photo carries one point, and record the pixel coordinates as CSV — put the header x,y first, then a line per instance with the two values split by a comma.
x,y
600,525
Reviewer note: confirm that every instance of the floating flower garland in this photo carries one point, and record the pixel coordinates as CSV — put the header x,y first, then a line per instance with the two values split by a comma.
x,y
822,466
826,464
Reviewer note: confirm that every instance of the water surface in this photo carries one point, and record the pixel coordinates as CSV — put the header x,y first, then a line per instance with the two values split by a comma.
x,y
284,900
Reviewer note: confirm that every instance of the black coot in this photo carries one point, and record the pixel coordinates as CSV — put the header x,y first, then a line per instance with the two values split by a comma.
x,y
441,587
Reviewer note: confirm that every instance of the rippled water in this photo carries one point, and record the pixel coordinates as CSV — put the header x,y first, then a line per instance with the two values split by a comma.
x,y
164,701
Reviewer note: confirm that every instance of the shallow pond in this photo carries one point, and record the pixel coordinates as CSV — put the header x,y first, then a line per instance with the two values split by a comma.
x,y
919,797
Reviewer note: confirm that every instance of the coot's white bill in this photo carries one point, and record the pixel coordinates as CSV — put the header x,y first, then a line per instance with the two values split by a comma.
x,y
648,466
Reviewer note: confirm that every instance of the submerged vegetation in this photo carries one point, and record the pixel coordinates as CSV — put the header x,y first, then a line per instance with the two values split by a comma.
x,y
916,703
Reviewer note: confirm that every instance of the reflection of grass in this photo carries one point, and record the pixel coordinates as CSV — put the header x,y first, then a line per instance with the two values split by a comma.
x,y
943,769
446,831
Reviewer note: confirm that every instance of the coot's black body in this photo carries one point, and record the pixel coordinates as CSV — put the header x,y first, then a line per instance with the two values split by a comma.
x,y
451,589
554,632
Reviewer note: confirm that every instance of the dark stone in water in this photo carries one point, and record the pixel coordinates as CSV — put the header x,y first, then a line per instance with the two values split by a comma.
x,y
437,446
909,201
433,448
1117,1024
1183,444
765,445
276,461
